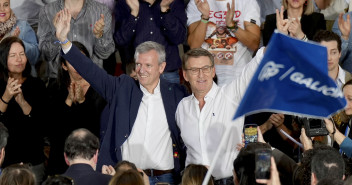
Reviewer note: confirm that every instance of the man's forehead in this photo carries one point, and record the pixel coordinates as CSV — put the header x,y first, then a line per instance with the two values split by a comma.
x,y
199,60
151,55
332,44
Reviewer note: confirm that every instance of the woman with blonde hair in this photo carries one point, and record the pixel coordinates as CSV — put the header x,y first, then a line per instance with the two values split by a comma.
x,y
194,174
296,19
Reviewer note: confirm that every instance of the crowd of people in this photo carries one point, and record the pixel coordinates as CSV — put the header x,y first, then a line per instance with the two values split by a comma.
x,y
65,119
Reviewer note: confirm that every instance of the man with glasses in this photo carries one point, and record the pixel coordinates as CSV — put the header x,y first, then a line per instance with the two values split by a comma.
x,y
202,117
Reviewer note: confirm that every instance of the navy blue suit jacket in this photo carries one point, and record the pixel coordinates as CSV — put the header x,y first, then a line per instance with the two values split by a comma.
x,y
83,174
123,96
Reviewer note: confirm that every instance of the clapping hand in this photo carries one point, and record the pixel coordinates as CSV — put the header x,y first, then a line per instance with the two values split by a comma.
x,y
295,29
62,24
75,94
98,30
165,4
12,88
16,32
134,6
203,7
344,26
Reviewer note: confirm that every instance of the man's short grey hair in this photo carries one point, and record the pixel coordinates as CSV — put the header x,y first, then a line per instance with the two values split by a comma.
x,y
148,46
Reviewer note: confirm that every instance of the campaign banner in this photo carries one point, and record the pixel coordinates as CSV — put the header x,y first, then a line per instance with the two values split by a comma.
x,y
292,78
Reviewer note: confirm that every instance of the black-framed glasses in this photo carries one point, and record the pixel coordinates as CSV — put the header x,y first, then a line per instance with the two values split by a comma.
x,y
205,69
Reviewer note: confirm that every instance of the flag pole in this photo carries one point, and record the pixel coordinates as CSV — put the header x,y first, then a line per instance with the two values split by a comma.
x,y
216,156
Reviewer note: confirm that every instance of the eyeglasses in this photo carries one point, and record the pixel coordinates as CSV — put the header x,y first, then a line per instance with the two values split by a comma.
x,y
195,70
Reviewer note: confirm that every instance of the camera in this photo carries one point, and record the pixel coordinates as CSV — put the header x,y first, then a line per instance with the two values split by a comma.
x,y
313,127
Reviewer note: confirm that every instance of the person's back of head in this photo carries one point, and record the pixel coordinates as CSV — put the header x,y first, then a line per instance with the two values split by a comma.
x,y
330,181
327,163
129,177
17,174
244,164
124,166
194,174
81,144
302,175
4,135
58,180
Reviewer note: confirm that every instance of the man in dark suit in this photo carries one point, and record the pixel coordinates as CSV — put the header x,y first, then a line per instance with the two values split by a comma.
x,y
139,121
81,154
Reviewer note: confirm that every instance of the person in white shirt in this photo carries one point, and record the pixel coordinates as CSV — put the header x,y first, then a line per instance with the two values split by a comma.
x,y
229,29
139,125
204,116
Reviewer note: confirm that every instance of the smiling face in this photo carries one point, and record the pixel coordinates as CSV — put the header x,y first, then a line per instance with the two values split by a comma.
x,y
200,82
16,61
5,10
148,69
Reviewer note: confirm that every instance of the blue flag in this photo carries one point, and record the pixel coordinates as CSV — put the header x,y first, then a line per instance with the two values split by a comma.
x,y
293,79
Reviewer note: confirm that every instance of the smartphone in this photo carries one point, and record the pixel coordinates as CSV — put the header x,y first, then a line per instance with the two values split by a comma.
x,y
262,163
250,133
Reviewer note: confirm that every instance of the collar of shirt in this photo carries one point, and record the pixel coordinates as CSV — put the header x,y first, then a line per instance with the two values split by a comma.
x,y
211,94
341,77
147,93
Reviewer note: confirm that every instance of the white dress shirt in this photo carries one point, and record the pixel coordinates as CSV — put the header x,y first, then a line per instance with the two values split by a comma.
x,y
149,145
341,78
202,130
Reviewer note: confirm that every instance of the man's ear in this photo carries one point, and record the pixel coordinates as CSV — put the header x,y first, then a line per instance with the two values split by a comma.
x,y
66,160
2,155
95,157
185,75
64,66
162,67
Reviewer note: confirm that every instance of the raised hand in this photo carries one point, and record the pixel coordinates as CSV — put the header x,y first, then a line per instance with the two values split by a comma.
x,y
295,29
305,140
230,13
165,4
203,7
98,29
277,119
281,23
62,24
344,26
16,32
134,6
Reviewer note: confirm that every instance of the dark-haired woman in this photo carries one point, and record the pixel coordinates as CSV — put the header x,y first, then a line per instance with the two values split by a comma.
x,y
74,105
22,105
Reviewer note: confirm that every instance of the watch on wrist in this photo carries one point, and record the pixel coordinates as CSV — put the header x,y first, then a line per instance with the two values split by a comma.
x,y
207,19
